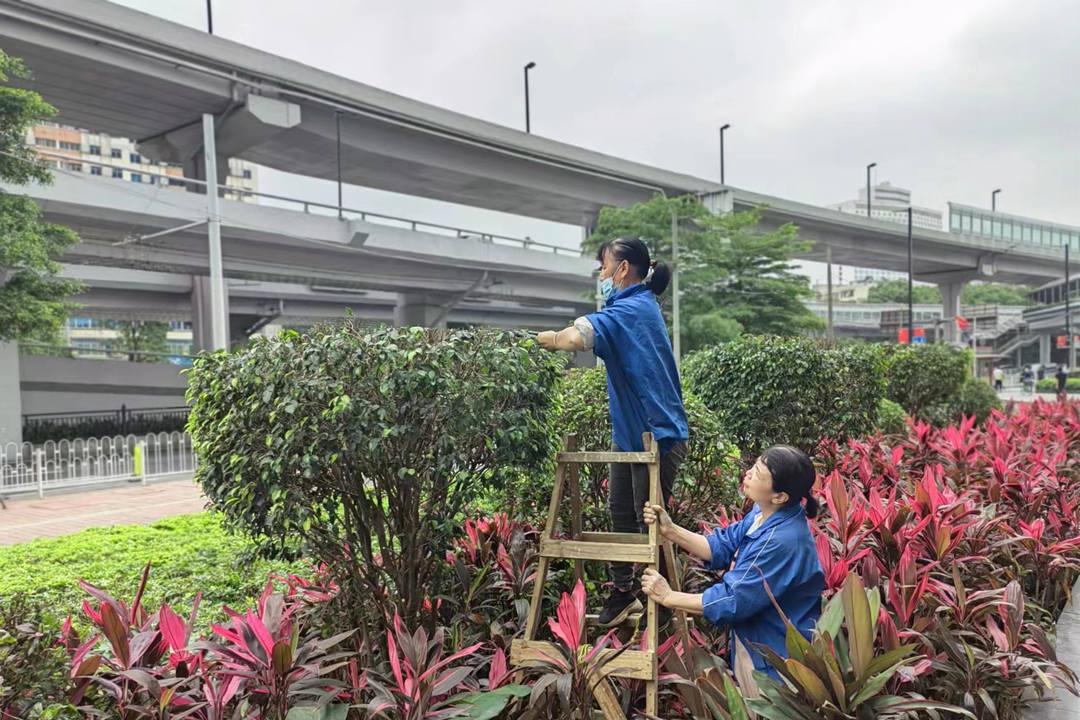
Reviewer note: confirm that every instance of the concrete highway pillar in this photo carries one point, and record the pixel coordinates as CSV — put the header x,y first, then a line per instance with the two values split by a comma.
x,y
950,299
201,334
1044,348
417,310
10,395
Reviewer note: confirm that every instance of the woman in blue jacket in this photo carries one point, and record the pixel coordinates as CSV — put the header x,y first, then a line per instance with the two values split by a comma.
x,y
644,393
771,544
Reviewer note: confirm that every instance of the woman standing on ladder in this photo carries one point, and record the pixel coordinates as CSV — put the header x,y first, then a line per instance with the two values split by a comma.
x,y
644,394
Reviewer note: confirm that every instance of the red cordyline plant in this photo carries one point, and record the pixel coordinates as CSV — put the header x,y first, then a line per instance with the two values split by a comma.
x,y
277,669
956,526
565,682
130,673
422,681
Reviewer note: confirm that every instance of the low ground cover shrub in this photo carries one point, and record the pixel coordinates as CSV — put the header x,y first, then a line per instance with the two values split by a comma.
x,y
190,553
1049,385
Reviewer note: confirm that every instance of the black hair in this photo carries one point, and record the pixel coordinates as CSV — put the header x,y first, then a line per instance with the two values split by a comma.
x,y
655,275
792,472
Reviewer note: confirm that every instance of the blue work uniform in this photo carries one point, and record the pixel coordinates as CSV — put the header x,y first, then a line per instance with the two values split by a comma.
x,y
643,383
780,552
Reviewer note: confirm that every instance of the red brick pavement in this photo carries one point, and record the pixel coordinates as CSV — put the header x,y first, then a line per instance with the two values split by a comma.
x,y
30,517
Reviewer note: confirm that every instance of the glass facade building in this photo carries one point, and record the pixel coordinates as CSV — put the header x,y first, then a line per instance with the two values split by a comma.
x,y
1010,229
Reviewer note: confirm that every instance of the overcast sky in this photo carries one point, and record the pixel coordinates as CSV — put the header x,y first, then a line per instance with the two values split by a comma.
x,y
952,98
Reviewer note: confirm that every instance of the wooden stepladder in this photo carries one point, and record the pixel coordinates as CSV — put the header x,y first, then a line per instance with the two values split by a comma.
x,y
610,547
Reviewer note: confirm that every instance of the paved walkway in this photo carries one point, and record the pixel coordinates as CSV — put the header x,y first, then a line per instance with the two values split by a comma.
x,y
31,517
1066,706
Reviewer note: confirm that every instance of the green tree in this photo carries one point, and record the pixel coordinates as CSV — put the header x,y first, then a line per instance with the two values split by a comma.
x,y
995,294
896,291
733,278
136,337
33,300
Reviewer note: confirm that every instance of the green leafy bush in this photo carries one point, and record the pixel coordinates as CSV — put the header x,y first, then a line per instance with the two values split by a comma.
x,y
891,418
767,390
188,553
975,399
708,477
921,377
369,445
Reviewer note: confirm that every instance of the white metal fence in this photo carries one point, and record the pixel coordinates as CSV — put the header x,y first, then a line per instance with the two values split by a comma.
x,y
27,467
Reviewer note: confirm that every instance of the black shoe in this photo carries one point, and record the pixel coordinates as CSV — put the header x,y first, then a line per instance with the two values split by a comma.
x,y
663,614
620,605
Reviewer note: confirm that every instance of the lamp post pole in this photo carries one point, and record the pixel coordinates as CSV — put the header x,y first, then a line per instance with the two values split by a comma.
x,y
723,127
869,192
529,66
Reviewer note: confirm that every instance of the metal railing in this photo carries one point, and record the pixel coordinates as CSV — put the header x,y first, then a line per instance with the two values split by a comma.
x,y
526,243
42,427
27,467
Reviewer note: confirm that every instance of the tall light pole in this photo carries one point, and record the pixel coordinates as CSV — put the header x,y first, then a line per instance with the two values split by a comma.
x,y
1068,311
869,167
723,127
209,17
528,67
910,281
993,200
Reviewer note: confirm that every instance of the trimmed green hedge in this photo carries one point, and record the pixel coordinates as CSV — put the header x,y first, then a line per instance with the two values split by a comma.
x,y
188,554
923,378
1049,385
767,390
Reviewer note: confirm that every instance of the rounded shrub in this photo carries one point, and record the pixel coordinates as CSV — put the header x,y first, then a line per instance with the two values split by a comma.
x,y
921,377
365,446
768,390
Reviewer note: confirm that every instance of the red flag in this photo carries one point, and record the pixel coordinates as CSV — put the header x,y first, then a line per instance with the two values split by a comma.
x,y
902,336
961,322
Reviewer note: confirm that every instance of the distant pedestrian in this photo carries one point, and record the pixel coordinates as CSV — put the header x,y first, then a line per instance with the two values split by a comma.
x,y
999,379
1062,381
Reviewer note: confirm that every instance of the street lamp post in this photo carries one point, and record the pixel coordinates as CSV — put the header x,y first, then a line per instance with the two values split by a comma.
x,y
1068,311
724,127
993,200
869,167
528,67
910,281
209,17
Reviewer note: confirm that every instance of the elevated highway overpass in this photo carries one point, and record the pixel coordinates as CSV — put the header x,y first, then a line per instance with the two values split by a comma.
x,y
116,70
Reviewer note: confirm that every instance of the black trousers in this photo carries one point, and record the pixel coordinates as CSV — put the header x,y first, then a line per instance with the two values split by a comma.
x,y
628,490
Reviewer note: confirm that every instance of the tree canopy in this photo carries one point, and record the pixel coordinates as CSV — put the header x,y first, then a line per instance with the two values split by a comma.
x,y
33,300
734,279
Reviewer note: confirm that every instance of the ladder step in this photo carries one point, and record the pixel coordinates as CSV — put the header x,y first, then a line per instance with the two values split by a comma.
x,y
641,458
588,550
614,537
634,664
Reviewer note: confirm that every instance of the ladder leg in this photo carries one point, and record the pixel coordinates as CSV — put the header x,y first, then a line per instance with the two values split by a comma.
x,y
608,700
652,632
542,567
573,479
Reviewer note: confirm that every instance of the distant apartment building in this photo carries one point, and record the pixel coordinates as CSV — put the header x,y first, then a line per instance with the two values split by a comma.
x,y
72,150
